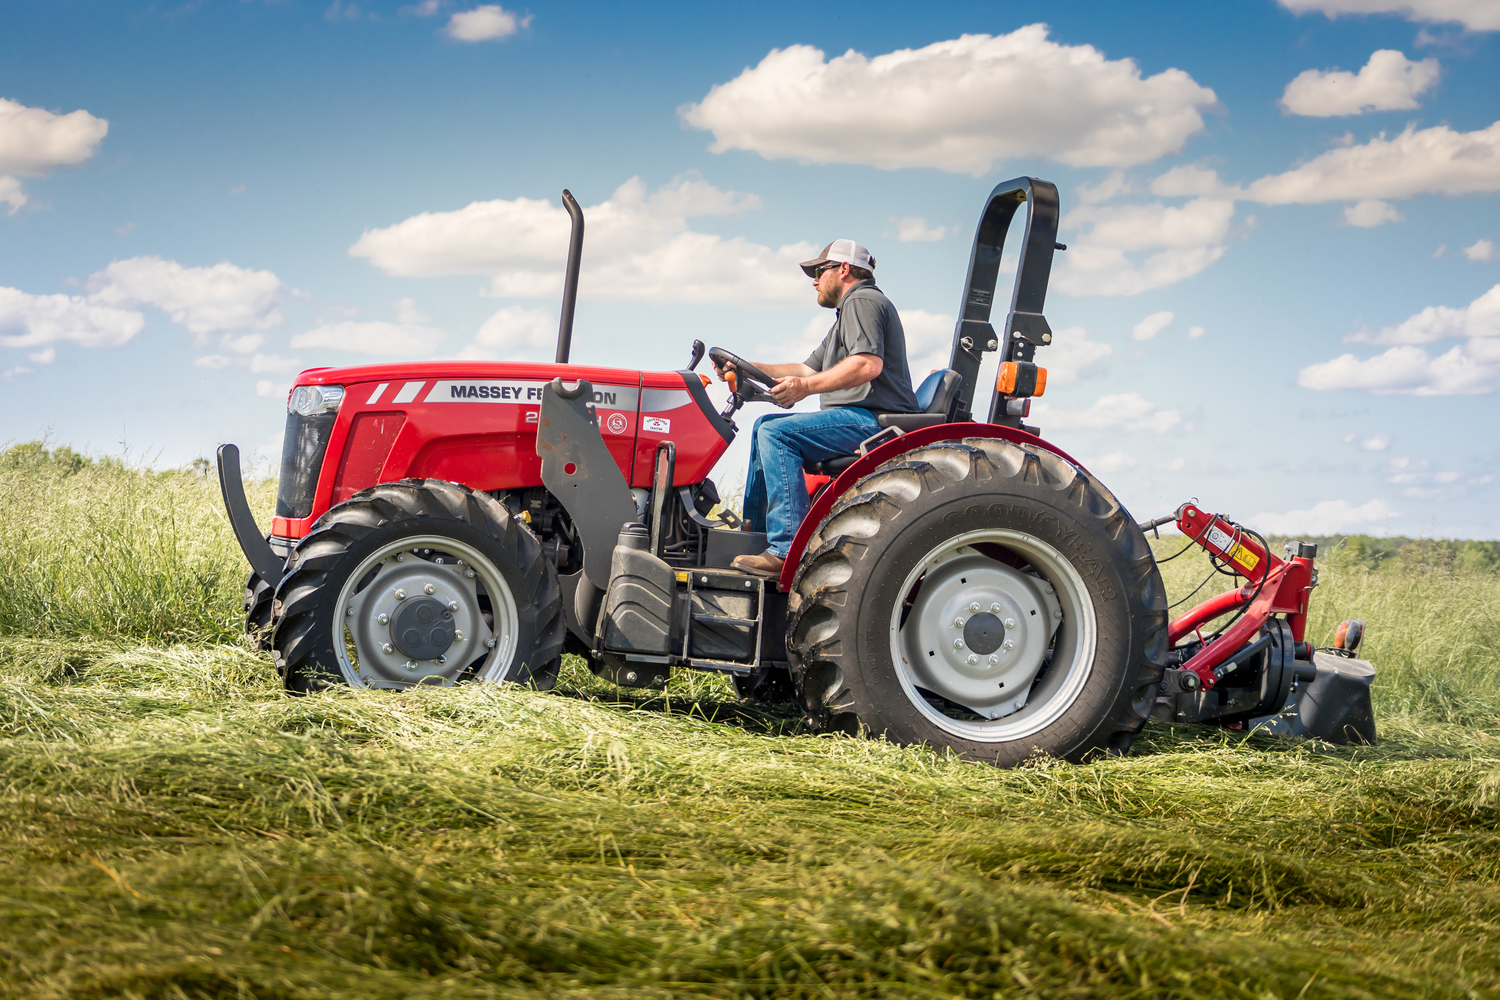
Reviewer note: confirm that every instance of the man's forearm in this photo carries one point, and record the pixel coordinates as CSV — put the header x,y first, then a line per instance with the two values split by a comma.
x,y
782,371
856,369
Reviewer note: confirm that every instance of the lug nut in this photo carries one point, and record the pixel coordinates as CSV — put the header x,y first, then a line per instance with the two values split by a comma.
x,y
489,643
452,605
958,644
973,658
400,556
958,623
400,594
994,659
383,618
411,664
428,588
1057,615
442,659
995,608
1009,644
630,677
469,573
1010,623
458,634
974,607
387,648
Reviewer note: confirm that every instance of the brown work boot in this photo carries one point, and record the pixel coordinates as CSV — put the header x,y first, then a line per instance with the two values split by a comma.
x,y
767,563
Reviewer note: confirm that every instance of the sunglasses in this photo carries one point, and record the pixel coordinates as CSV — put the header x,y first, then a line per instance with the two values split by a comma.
x,y
818,271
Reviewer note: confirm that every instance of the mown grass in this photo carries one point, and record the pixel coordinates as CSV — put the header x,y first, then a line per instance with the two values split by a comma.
x,y
175,826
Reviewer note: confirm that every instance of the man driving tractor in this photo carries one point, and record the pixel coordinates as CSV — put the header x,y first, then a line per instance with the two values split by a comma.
x,y
859,369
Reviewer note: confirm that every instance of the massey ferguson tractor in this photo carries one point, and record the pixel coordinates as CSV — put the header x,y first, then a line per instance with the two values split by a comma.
x,y
958,581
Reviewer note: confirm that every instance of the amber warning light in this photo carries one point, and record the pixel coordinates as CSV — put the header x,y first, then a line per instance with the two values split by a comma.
x,y
1018,378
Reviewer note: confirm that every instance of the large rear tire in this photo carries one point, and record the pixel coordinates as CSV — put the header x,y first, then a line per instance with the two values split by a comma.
x,y
982,596
418,582
259,598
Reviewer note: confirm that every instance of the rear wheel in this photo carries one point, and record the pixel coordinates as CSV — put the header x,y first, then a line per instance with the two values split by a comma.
x,y
418,582
983,596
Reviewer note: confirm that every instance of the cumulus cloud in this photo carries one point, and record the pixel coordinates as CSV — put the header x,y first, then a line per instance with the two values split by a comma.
x,y
1129,249
1329,517
954,105
34,142
203,299
639,248
1481,251
1073,356
1476,15
1371,212
1127,411
514,332
40,320
1468,368
914,229
1148,328
1115,461
485,23
1196,332
1436,160
1388,82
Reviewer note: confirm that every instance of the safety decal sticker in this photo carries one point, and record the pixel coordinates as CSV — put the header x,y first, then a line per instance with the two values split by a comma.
x,y
656,425
1219,538
1249,560
616,423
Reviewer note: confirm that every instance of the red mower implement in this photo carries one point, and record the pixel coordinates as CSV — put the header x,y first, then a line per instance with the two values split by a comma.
x,y
958,581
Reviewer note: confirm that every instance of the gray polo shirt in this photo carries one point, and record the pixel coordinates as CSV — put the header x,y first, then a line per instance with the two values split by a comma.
x,y
867,323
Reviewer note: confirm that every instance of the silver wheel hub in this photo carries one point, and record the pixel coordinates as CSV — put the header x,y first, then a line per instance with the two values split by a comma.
x,y
992,650
424,610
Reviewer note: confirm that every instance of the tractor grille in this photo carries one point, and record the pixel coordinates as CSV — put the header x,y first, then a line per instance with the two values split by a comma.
x,y
301,461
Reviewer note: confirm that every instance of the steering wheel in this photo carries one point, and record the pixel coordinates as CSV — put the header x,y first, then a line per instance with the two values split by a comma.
x,y
749,382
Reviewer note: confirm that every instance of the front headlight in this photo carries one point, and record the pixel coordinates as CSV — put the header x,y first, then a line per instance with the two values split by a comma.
x,y
309,399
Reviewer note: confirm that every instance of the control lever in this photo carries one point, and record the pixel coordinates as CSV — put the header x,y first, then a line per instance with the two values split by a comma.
x,y
698,351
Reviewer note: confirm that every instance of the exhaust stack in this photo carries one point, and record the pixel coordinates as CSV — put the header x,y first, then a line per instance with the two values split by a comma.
x,y
570,281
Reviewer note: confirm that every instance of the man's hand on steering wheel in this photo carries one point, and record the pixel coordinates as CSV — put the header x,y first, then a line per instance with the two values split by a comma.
x,y
787,391
756,386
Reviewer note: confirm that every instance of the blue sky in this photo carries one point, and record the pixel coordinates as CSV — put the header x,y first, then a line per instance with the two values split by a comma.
x,y
1282,293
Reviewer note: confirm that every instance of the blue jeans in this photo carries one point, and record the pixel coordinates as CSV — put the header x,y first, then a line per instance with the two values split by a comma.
x,y
776,497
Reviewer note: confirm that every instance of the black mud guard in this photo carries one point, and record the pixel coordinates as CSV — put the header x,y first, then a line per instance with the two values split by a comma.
x,y
1334,707
258,552
595,494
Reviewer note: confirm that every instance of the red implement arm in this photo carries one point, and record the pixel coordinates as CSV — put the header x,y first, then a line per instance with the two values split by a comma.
x,y
1275,587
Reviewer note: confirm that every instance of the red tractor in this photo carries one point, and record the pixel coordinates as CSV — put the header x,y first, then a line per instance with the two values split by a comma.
x,y
959,582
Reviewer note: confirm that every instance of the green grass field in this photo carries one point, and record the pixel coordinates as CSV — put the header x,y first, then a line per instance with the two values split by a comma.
x,y
174,826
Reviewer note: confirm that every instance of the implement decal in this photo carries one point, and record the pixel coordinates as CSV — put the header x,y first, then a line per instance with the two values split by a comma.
x,y
611,397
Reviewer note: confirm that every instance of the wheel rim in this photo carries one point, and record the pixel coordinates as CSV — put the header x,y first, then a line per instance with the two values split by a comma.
x,y
952,660
449,615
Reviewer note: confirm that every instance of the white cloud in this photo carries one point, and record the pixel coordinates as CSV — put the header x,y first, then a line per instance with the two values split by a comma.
x,y
372,337
45,356
203,299
1376,442
1476,15
266,387
1148,328
1072,356
485,23
38,320
1436,160
638,249
12,194
241,345
1196,332
1329,517
14,374
914,229
954,105
1109,187
1469,368
274,363
1483,250
1115,461
1130,249
1388,82
1370,213
1123,412
212,362
426,8
34,142
514,332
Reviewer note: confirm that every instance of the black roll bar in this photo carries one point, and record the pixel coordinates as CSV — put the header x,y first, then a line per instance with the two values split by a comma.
x,y
1025,327
570,281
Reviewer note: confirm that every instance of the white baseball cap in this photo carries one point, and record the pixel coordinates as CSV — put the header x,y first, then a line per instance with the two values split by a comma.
x,y
841,252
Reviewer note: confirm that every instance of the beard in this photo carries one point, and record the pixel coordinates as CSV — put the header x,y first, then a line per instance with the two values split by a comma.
x,y
829,297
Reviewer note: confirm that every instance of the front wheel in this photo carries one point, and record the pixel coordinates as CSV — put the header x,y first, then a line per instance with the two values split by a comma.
x,y
983,596
418,582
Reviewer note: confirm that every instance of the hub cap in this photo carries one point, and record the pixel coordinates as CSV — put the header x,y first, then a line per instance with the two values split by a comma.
x,y
993,636
424,610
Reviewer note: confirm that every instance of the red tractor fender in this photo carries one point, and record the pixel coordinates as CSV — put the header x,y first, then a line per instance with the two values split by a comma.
x,y
884,453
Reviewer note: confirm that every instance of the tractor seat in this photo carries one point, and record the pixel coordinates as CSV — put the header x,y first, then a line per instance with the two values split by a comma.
x,y
934,397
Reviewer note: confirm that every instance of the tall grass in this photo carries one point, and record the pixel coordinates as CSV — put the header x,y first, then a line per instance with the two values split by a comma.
x,y
173,825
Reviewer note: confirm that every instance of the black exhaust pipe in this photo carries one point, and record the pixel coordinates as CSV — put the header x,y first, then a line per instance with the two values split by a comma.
x,y
570,281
